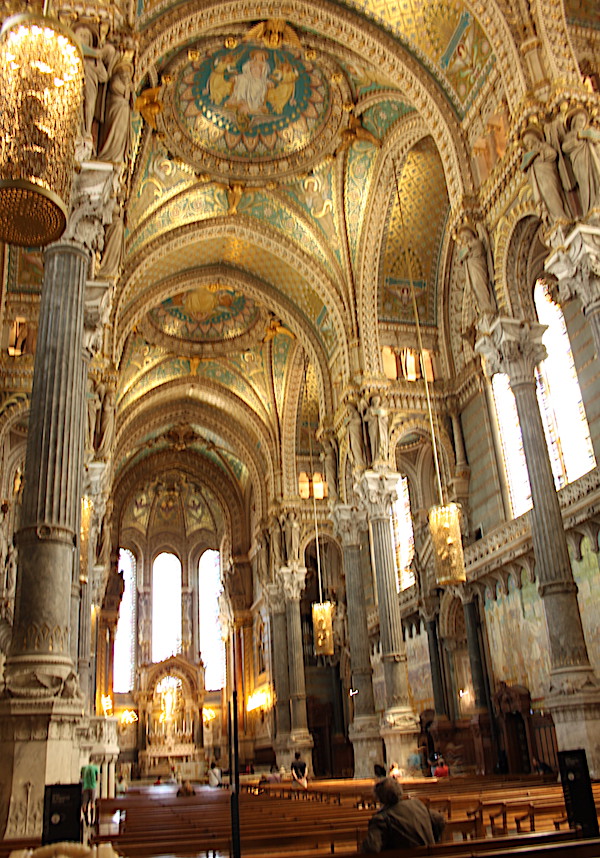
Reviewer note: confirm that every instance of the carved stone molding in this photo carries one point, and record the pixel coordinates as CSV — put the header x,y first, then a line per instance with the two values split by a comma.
x,y
292,579
349,522
377,492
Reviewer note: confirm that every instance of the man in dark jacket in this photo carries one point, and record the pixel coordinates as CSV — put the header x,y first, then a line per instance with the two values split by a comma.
x,y
401,823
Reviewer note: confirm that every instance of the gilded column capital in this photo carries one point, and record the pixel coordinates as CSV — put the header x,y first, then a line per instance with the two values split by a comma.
x,y
377,492
514,347
348,522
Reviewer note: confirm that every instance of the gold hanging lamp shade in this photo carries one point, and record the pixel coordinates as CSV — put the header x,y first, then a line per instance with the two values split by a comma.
x,y
41,87
322,617
444,524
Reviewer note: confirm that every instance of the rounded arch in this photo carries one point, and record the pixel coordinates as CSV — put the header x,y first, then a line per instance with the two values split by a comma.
x,y
511,245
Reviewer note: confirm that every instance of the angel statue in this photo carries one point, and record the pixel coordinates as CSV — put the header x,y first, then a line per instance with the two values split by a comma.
x,y
475,257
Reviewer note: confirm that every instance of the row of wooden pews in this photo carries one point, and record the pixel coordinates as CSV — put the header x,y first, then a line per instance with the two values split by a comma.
x,y
332,817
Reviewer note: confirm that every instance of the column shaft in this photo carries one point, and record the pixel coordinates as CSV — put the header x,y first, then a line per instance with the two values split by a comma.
x,y
299,720
281,675
358,634
475,655
435,662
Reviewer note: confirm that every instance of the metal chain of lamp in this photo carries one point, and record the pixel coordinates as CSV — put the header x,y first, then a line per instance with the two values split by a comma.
x,y
444,518
322,612
41,90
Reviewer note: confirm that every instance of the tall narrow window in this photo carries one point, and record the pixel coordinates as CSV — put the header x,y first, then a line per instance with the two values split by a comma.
x,y
166,607
212,647
124,666
403,536
561,406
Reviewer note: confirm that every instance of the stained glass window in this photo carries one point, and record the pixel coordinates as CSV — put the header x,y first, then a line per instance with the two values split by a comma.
x,y
166,607
124,652
212,647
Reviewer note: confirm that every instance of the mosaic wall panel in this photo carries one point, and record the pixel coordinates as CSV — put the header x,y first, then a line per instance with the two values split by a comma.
x,y
361,159
159,180
583,12
587,578
518,641
381,117
25,269
419,671
315,195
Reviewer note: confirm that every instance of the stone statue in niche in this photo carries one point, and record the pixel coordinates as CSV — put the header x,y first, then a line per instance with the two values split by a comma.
x,y
106,428
96,64
355,438
292,538
582,145
114,247
540,164
377,425
329,459
475,259
117,117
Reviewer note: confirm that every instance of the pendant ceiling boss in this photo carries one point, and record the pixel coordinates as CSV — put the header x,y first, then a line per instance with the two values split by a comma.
x,y
41,75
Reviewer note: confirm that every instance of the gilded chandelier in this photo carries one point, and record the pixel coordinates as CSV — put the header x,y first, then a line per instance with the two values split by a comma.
x,y
41,75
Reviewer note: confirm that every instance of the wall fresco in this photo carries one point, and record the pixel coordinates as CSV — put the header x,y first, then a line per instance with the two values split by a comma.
x,y
208,313
587,578
419,671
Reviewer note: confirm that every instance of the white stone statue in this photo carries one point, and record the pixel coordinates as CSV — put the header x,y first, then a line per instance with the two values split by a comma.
x,y
107,424
95,64
355,437
540,164
11,570
473,256
292,538
329,459
117,117
377,424
582,145
93,408
114,247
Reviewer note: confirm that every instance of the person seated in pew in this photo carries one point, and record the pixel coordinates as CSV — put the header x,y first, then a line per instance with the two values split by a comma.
x,y
441,770
401,823
541,767
215,775
186,789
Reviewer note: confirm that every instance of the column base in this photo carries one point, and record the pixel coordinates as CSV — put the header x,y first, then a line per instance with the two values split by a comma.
x,y
400,732
39,745
574,701
366,741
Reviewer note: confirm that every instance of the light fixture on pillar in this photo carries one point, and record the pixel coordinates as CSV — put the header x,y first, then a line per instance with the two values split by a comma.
x,y
322,612
444,518
41,86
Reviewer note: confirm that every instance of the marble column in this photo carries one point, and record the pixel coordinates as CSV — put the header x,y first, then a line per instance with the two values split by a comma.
x,y
515,347
40,674
430,613
377,492
292,580
364,729
281,680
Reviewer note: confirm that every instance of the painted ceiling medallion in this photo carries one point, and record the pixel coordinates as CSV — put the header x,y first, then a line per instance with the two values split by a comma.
x,y
252,112
208,313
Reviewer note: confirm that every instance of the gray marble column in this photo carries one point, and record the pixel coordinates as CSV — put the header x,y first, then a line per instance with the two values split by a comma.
x,y
279,649
515,347
377,492
475,654
292,580
364,729
430,613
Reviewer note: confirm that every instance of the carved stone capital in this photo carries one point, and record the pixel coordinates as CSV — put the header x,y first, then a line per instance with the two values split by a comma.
x,y
576,266
512,346
92,203
292,580
377,492
274,598
430,608
348,522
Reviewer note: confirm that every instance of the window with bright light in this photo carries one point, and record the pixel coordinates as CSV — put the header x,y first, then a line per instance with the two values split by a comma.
x,y
166,607
561,406
212,647
403,536
124,652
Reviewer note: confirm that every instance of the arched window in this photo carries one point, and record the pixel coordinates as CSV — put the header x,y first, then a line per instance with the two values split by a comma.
x,y
212,647
559,397
166,607
403,536
124,657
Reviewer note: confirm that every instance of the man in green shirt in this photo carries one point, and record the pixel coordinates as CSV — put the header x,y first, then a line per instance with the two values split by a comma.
x,y
89,782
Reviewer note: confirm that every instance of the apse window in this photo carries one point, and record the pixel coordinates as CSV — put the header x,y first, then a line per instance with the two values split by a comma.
x,y
166,607
561,406
212,647
403,536
124,660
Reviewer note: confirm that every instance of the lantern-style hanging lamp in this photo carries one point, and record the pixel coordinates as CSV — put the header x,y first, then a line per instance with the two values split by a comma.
x,y
41,87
